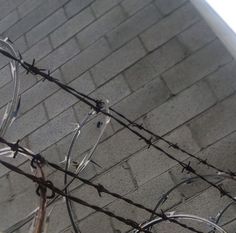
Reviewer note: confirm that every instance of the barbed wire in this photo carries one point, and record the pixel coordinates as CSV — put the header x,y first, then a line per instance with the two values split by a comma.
x,y
186,181
38,159
13,106
31,68
48,184
175,146
100,188
149,225
97,106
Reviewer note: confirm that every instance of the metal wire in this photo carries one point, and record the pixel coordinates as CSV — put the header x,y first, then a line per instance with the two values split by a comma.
x,y
186,181
85,161
13,106
71,213
100,189
32,69
172,215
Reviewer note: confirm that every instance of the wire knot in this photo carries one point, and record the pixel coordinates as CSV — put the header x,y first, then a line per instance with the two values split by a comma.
x,y
231,173
222,191
164,216
174,145
203,161
187,167
99,105
100,189
149,142
37,160
139,126
43,189
15,148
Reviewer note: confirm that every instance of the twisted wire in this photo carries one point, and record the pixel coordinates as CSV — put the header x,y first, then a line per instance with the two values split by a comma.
x,y
13,106
49,185
100,189
31,68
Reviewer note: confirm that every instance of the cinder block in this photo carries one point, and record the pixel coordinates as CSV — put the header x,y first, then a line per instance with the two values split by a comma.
x,y
133,26
6,94
18,183
59,218
101,6
139,74
86,140
45,27
81,110
57,178
117,148
37,94
169,26
142,101
97,222
216,123
85,60
27,6
34,18
3,61
8,21
167,6
196,66
132,6
27,123
75,6
52,132
147,195
18,161
206,205
24,228
38,51
71,27
5,189
51,154
222,80
213,154
82,84
59,56
197,35
100,27
150,163
8,6
167,56
230,227
113,91
118,61
27,81
180,109
117,180
20,44
5,76
24,201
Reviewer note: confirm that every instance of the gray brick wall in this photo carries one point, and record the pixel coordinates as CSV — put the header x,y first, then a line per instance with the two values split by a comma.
x,y
159,63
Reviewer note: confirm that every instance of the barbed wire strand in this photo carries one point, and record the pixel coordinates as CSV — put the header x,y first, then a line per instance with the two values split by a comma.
x,y
129,222
31,68
100,189
175,146
34,70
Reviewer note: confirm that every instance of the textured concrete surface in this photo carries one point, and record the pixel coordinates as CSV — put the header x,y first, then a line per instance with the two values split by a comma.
x,y
159,63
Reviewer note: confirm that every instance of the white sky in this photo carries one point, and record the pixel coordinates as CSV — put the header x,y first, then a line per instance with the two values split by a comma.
x,y
226,9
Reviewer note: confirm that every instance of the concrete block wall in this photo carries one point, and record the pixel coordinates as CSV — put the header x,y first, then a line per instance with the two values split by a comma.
x,y
157,62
